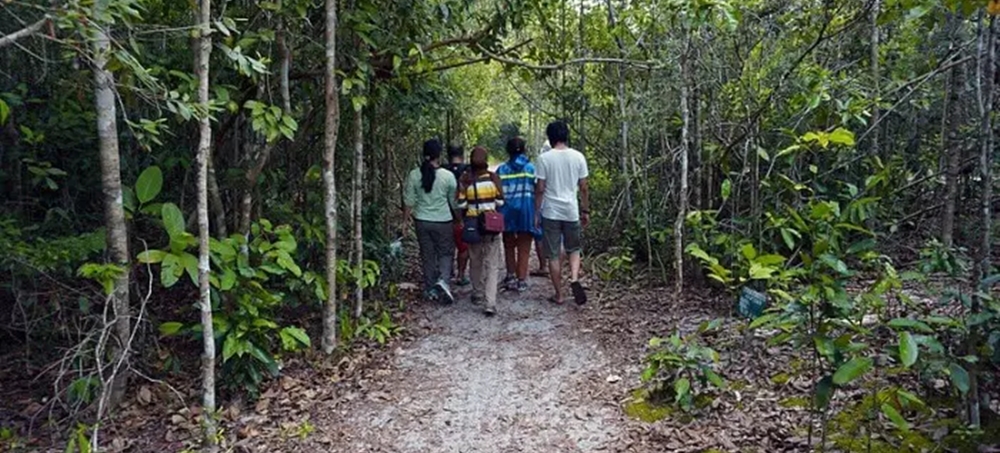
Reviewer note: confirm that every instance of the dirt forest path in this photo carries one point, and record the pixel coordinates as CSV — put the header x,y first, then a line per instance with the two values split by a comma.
x,y
531,379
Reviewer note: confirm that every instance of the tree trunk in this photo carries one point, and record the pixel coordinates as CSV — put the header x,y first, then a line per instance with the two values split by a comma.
x,y
204,288
114,212
874,64
984,84
359,176
623,112
329,179
682,194
952,147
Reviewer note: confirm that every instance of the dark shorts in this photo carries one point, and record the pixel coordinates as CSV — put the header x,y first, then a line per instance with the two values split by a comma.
x,y
555,232
459,243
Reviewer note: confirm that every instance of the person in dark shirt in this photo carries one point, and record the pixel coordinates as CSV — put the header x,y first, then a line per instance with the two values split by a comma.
x,y
457,165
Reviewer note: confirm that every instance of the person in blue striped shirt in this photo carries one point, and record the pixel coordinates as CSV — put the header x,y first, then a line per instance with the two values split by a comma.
x,y
517,176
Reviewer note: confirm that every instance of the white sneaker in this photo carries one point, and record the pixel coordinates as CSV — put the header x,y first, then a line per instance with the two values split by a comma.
x,y
445,292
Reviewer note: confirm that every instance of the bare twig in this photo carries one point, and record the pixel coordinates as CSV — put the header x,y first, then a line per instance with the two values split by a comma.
x,y
7,40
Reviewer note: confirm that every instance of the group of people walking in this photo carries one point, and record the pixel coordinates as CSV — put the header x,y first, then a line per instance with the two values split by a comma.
x,y
467,215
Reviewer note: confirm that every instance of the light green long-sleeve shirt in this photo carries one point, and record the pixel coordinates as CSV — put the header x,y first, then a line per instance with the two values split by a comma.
x,y
433,206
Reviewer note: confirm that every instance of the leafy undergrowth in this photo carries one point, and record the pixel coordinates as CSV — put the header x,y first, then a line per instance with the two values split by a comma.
x,y
767,403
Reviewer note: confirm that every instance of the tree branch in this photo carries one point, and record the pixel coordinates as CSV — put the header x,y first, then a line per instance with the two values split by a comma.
x,y
7,40
578,61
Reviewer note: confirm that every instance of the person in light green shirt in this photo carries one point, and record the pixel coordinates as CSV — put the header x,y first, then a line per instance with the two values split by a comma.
x,y
430,201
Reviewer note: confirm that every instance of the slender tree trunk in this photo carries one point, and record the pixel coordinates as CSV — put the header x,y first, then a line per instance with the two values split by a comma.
x,y
952,145
329,179
626,157
984,84
359,177
682,194
201,70
114,212
874,63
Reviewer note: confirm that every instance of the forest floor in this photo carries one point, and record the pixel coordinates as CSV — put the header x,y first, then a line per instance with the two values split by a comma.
x,y
537,377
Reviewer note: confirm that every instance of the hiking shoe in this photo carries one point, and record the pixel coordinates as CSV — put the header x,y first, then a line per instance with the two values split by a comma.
x,y
522,286
464,281
445,293
579,294
431,295
475,300
490,311
509,283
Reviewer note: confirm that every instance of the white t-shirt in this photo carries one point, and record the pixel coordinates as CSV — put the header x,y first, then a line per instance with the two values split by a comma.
x,y
562,170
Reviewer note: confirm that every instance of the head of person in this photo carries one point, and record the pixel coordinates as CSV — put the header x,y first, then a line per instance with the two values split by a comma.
x,y
516,147
456,154
432,159
479,159
558,133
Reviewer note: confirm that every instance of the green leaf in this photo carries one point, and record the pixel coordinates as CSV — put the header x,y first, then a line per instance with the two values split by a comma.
x,y
834,263
895,417
841,136
292,337
852,370
171,328
682,387
151,256
908,350
786,234
173,219
727,189
714,378
823,392
959,377
4,112
229,347
749,252
170,270
190,263
149,184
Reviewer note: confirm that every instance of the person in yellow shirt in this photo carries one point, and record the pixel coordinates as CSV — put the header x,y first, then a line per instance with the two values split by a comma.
x,y
479,191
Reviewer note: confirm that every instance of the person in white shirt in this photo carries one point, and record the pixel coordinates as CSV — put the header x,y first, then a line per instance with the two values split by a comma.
x,y
562,206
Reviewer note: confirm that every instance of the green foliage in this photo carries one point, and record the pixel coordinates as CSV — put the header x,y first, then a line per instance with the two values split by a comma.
x,y
683,366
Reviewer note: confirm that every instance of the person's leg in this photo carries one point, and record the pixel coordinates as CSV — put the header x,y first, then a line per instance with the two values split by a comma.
x,y
428,259
574,248
543,260
491,261
523,250
444,243
552,236
510,258
476,271
462,259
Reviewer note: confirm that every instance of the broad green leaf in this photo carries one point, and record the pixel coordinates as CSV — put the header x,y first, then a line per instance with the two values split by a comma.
x,y
151,256
895,417
852,370
293,337
170,328
908,349
758,272
749,252
959,377
229,347
769,260
841,136
823,392
170,270
727,189
173,219
834,263
682,387
149,184
190,263
4,112
714,378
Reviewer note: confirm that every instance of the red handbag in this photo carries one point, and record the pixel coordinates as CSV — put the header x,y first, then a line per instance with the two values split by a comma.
x,y
490,222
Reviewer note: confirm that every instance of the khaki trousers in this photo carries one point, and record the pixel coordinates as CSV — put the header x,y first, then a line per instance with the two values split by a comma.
x,y
484,266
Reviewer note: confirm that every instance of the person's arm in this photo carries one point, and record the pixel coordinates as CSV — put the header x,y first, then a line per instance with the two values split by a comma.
x,y
540,175
499,185
409,198
453,198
